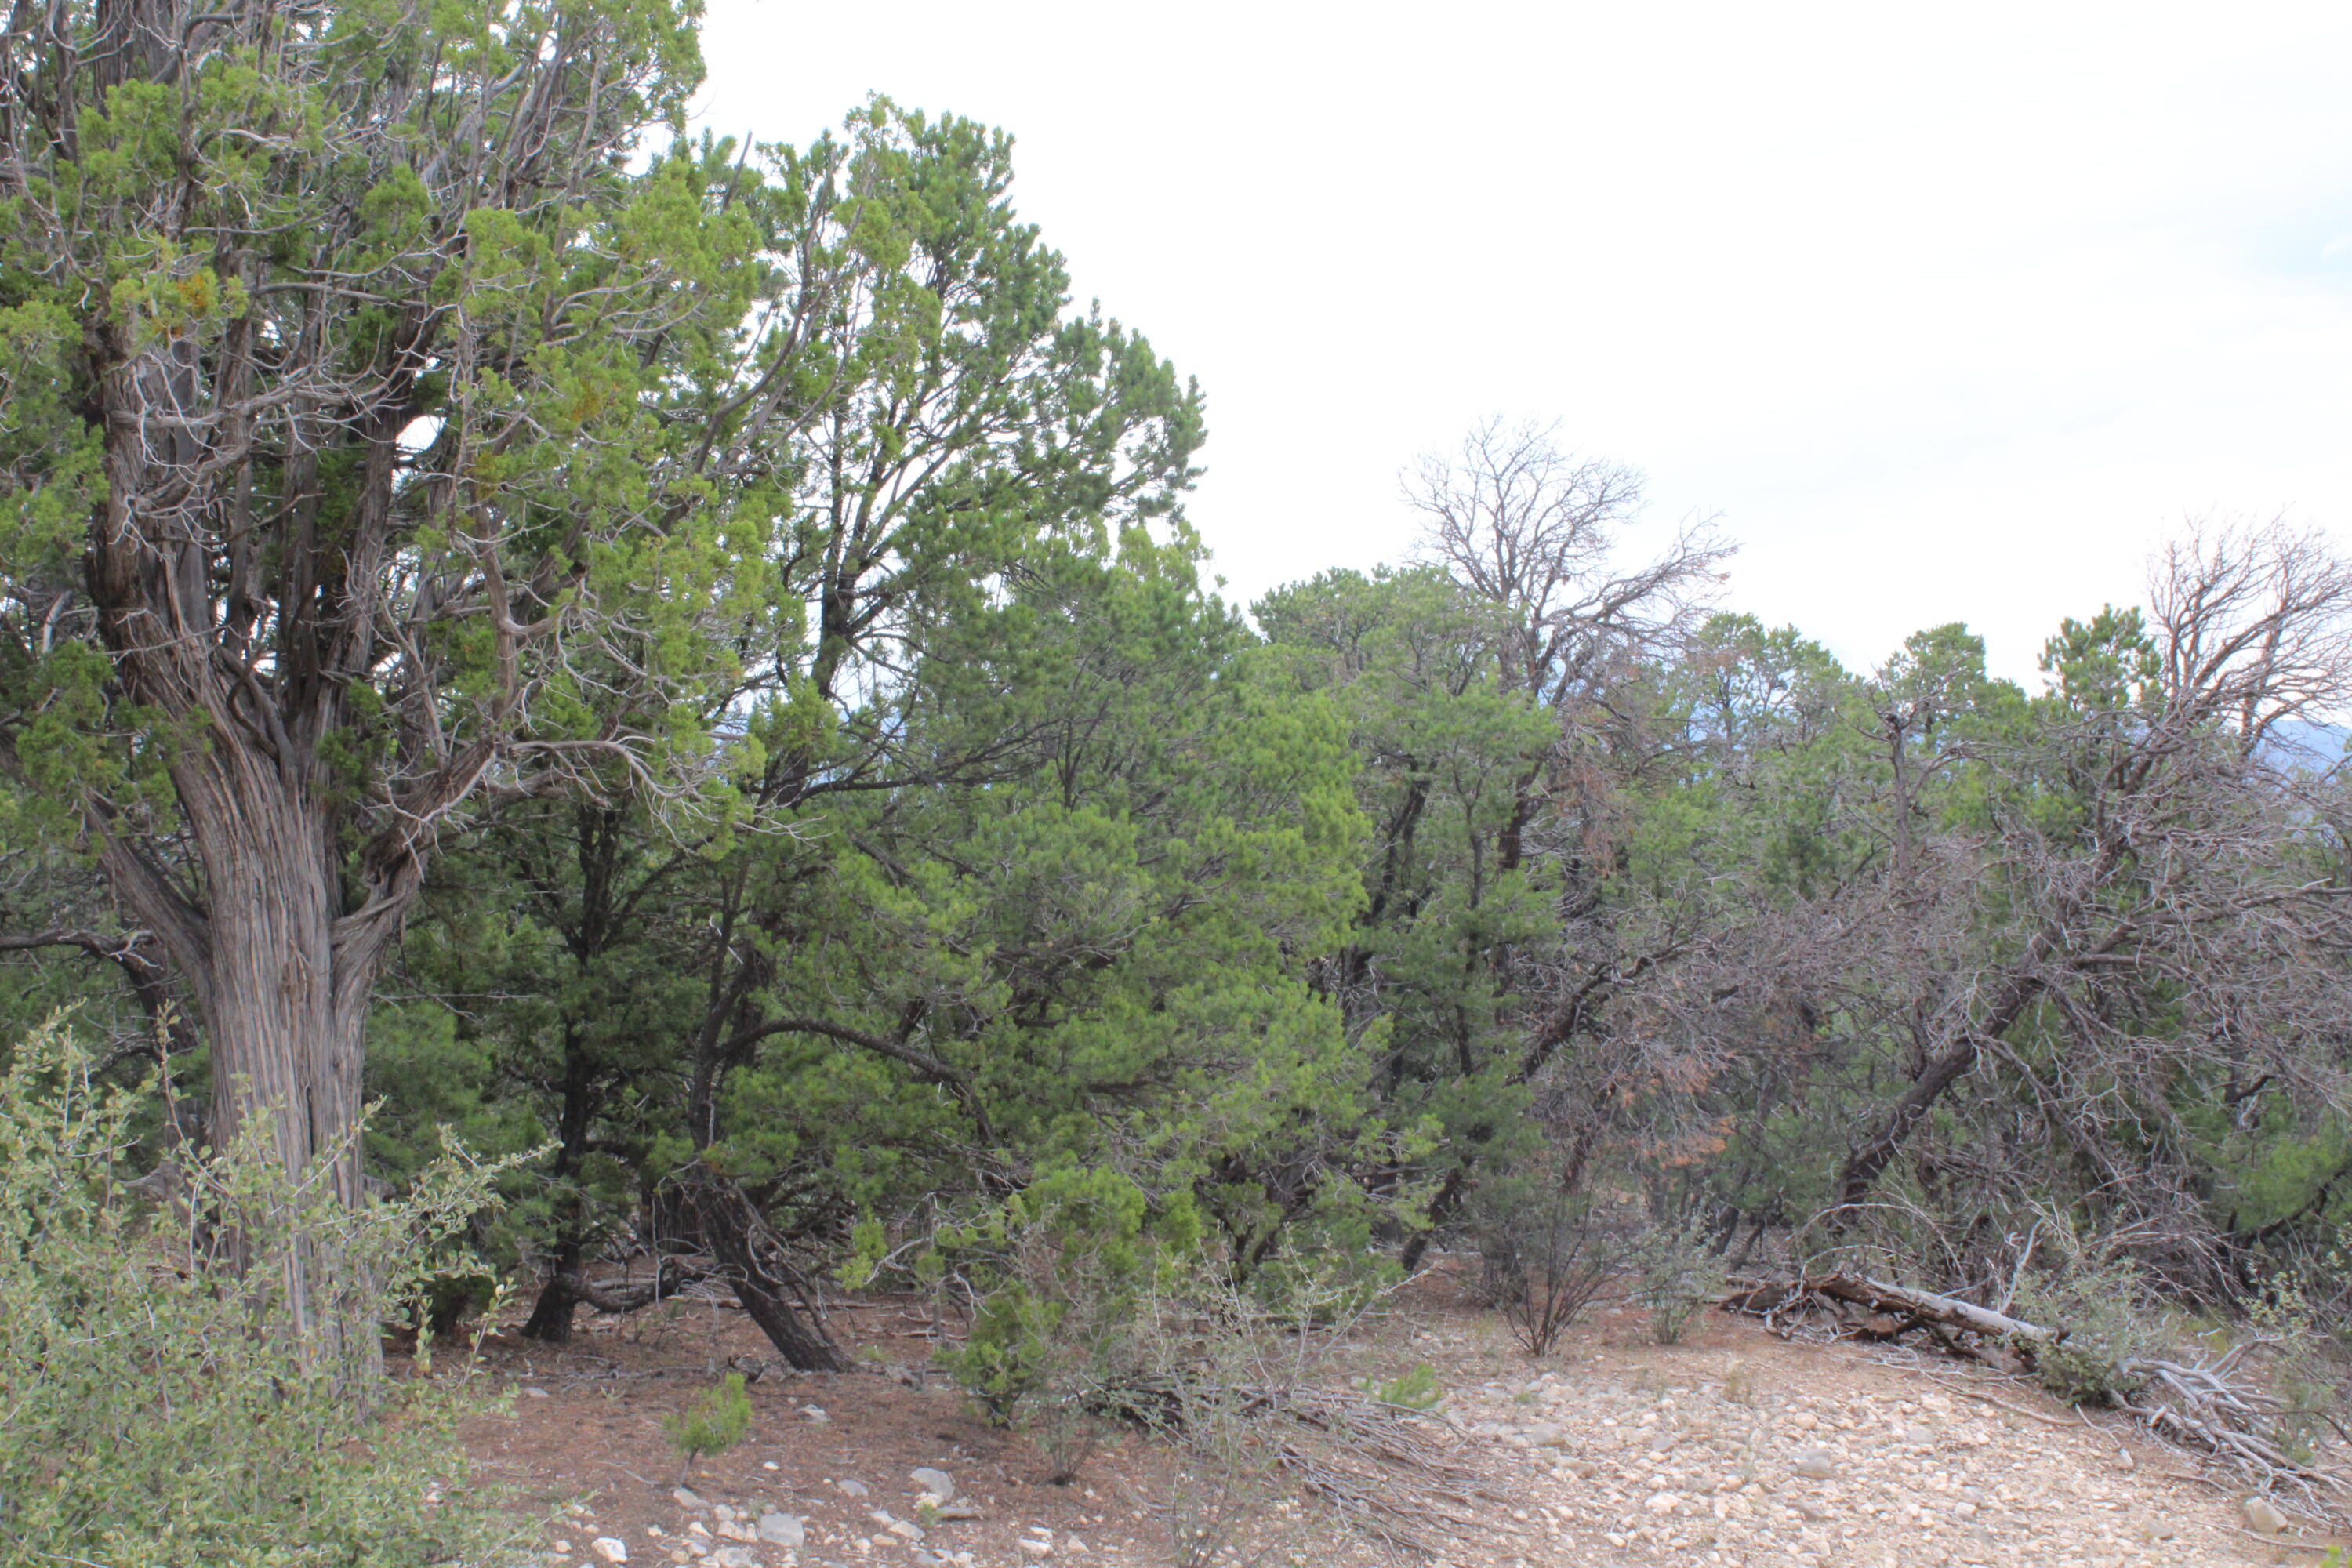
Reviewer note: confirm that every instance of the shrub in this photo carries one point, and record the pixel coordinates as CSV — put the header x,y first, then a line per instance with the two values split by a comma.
x,y
1059,1271
1416,1390
1681,1275
1545,1257
158,1412
712,1422
2100,1299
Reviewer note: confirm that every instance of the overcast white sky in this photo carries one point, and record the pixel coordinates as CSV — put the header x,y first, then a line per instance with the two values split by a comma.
x,y
1951,313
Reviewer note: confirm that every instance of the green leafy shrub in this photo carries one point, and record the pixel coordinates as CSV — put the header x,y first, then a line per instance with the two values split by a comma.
x,y
712,1422
159,1407
2100,1299
1681,1275
1059,1270
1416,1390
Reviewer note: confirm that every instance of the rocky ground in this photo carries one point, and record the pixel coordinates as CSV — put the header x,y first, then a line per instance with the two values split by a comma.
x,y
1734,1448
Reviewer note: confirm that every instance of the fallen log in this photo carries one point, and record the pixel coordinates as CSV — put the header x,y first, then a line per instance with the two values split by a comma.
x,y
1915,1308
1924,1307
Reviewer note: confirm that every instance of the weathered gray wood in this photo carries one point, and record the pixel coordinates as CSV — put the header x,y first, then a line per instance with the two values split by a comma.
x,y
1878,1296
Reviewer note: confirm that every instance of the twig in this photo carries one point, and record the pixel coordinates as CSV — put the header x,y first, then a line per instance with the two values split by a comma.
x,y
2276,1541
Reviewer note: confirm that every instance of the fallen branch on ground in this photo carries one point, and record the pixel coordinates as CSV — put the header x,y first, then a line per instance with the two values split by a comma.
x,y
1389,1471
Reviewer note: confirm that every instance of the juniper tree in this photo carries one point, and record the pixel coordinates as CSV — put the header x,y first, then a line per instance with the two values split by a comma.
x,y
377,446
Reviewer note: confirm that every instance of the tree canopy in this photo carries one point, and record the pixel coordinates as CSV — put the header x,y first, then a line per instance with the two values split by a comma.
x,y
685,662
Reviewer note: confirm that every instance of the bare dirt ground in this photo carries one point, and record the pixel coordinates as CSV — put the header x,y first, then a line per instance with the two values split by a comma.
x,y
1734,1447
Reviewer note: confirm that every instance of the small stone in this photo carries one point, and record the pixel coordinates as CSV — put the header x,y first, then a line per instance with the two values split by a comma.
x,y
815,1414
782,1530
610,1550
2262,1516
850,1488
1035,1548
938,1483
1814,1464
731,1557
688,1500
1663,1502
1072,1543
768,1463
959,1507
736,1530
536,1394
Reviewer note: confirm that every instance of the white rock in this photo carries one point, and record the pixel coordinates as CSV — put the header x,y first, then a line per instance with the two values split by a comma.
x,y
686,1499
732,1557
850,1488
2262,1516
1035,1548
610,1550
1814,1464
938,1484
782,1530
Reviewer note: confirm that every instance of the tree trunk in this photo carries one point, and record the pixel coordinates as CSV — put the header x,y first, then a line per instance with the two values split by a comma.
x,y
1867,1161
282,984
771,1290
551,1316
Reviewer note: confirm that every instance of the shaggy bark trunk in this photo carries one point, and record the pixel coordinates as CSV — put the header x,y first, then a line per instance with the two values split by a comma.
x,y
282,984
252,910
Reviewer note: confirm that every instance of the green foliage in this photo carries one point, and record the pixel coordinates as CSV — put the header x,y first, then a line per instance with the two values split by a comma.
x,y
163,1409
712,1422
1415,1390
2103,1299
1061,1272
1680,1275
